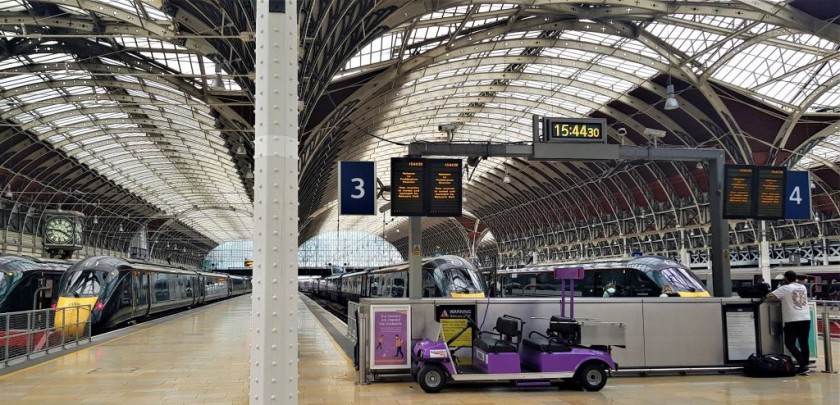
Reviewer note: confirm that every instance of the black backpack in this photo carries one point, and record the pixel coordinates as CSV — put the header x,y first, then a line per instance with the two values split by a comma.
x,y
769,365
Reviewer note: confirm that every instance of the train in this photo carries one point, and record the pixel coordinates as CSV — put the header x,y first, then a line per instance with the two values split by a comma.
x,y
818,279
111,291
648,276
443,276
28,284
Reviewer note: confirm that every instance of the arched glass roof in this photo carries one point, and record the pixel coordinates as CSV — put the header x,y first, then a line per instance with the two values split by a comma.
x,y
489,67
125,88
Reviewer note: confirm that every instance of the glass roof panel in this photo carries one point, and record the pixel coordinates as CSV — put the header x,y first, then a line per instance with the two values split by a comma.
x,y
826,151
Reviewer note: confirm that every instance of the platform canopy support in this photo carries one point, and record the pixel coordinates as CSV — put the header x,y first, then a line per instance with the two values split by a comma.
x,y
274,328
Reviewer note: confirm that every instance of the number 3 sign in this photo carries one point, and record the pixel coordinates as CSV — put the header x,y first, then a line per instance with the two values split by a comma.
x,y
357,188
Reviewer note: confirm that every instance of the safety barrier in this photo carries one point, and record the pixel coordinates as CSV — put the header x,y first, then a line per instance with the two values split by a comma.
x,y
352,310
827,325
23,334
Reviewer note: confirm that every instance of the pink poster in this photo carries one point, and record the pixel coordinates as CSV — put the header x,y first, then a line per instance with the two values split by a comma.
x,y
390,336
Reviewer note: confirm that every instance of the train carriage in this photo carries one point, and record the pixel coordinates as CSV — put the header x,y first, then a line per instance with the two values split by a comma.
x,y
627,277
443,276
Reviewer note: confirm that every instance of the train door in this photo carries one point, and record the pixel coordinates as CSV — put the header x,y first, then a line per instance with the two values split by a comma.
x,y
47,285
141,293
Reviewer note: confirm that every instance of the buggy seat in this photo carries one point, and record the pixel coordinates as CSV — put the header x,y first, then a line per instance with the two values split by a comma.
x,y
505,341
561,335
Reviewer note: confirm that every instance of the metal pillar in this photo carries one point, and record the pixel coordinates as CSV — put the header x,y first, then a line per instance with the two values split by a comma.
x,y
415,263
719,231
274,334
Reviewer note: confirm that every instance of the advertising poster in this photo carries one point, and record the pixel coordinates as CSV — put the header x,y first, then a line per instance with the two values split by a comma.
x,y
390,337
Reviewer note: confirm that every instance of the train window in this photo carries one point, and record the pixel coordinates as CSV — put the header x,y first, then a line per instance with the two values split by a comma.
x,y
680,280
161,288
142,283
125,292
429,287
85,283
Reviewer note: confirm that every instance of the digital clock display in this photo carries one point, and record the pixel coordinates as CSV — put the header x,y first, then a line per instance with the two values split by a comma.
x,y
575,130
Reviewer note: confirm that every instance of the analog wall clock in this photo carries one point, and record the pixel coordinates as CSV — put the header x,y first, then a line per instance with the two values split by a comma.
x,y
60,230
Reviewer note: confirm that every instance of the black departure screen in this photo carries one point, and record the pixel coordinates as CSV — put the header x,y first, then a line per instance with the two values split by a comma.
x,y
770,190
738,192
445,187
407,186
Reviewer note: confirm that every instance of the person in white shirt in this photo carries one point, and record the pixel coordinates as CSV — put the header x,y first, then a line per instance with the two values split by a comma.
x,y
797,318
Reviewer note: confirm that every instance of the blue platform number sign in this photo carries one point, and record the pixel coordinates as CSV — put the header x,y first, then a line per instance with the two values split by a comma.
x,y
797,195
357,188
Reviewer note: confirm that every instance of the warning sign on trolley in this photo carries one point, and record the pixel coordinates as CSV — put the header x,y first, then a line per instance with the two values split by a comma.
x,y
453,319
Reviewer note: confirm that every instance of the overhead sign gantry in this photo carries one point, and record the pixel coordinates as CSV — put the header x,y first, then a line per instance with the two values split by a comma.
x,y
584,140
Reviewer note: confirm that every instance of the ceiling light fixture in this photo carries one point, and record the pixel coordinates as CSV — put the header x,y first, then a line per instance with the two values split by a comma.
x,y
506,179
240,150
218,83
699,166
671,102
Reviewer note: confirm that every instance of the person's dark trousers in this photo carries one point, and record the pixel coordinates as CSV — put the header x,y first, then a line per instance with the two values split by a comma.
x,y
798,332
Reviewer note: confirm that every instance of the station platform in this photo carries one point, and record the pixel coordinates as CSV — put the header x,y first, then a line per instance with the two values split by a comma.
x,y
201,357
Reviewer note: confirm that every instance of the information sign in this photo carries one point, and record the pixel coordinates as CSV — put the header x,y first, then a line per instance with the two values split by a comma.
x,y
797,195
738,191
770,190
408,186
445,187
575,130
357,188
740,330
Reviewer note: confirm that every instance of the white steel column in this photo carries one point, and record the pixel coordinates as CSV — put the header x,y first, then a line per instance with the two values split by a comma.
x,y
764,253
274,349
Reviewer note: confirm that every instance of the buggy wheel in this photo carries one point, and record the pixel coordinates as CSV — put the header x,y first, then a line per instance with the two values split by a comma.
x,y
591,376
431,378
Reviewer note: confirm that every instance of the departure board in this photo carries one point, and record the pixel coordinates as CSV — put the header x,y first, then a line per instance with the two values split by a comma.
x,y
445,187
738,192
770,192
408,186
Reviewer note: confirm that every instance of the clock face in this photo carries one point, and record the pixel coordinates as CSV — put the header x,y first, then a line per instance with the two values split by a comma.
x,y
60,231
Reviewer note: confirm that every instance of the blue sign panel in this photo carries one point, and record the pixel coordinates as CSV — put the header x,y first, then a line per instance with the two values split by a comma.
x,y
797,195
356,188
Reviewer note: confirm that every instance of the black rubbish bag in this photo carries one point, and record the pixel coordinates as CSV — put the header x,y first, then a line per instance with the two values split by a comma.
x,y
769,365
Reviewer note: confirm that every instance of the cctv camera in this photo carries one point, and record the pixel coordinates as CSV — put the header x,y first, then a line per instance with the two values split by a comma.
x,y
654,133
447,127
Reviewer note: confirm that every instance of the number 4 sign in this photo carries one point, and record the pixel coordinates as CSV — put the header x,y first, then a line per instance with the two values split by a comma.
x,y
357,188
797,195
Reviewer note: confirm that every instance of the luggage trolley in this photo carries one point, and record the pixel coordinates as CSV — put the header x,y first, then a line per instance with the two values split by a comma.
x,y
538,359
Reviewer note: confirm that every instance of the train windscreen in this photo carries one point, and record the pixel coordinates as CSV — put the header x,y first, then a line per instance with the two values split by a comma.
x,y
7,281
681,280
459,282
85,283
